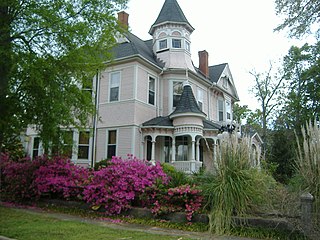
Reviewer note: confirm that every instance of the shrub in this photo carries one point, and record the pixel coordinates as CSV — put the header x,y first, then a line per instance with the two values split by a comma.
x,y
176,178
62,178
119,183
101,164
183,198
234,186
17,177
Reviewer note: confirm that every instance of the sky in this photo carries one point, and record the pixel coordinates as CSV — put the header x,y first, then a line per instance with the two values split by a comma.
x,y
236,32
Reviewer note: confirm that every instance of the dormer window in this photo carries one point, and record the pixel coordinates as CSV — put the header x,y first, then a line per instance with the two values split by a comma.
x,y
163,44
176,43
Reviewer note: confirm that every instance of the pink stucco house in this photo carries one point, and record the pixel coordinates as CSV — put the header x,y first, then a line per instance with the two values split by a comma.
x,y
153,102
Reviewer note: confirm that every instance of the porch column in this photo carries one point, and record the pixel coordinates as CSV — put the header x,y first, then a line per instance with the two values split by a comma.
x,y
198,151
142,152
153,152
173,157
193,154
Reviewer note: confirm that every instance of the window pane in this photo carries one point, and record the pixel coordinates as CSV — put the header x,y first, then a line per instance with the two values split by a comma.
x,y
112,139
177,91
163,44
83,152
84,138
115,79
151,83
111,151
114,94
151,97
176,43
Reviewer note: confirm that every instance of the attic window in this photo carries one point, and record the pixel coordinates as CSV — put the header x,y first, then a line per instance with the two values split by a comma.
x,y
163,44
176,43
225,80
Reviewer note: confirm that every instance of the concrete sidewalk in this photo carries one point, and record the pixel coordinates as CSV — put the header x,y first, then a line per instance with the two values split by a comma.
x,y
126,226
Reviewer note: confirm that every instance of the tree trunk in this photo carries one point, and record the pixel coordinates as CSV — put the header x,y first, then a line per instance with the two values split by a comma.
x,y
5,67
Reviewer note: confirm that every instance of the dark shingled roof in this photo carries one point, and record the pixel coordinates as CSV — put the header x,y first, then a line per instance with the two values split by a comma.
x,y
216,71
170,12
136,46
159,121
210,125
187,103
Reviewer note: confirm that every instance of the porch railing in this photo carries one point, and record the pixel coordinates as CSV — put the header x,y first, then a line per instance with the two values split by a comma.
x,y
187,166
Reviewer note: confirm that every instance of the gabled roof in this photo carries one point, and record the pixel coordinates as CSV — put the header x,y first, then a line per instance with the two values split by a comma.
x,y
215,72
135,46
171,13
187,103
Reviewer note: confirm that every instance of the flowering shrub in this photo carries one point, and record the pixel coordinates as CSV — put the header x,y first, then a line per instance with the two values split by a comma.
x,y
61,177
17,177
183,198
117,185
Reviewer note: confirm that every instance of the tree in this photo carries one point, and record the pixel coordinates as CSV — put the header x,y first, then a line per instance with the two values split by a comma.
x,y
266,89
299,16
49,51
302,67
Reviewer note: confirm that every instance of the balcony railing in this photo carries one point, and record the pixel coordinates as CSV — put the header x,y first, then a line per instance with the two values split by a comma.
x,y
187,166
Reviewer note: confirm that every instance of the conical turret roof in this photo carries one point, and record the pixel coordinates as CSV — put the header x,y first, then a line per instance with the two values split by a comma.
x,y
171,13
187,104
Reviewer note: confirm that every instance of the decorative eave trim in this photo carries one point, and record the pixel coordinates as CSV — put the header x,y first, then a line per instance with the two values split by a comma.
x,y
188,114
187,25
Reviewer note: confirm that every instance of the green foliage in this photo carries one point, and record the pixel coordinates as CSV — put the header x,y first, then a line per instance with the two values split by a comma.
x,y
177,178
49,51
101,164
299,16
232,189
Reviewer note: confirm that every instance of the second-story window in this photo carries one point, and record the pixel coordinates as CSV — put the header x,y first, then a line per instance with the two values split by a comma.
x,y
114,86
177,91
187,46
151,98
220,110
228,110
176,43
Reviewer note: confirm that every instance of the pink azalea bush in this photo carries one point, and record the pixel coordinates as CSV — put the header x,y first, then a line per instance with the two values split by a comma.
x,y
17,177
183,198
62,178
119,183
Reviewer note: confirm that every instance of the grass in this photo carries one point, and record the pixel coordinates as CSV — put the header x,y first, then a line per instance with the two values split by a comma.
x,y
24,225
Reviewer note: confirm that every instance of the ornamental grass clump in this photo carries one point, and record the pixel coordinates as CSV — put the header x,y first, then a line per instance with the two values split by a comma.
x,y
307,162
234,186
118,184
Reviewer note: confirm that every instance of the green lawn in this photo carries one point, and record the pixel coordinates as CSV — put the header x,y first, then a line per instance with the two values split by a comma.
x,y
23,225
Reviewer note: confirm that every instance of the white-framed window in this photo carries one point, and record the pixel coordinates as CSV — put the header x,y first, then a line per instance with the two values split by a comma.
x,y
177,91
152,92
176,43
112,144
163,44
228,110
36,151
187,46
114,86
220,110
200,98
84,145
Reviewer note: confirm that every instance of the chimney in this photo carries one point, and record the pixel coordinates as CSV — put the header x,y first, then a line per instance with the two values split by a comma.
x,y
203,62
123,19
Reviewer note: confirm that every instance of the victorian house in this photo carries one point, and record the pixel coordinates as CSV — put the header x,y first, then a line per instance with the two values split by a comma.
x,y
154,103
